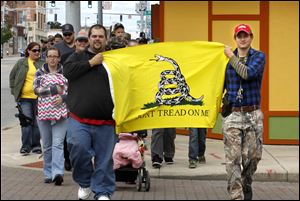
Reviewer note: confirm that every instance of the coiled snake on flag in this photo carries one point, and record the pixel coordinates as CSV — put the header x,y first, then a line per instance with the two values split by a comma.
x,y
177,79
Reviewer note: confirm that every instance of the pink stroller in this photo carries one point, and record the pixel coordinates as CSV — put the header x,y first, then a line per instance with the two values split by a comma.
x,y
129,164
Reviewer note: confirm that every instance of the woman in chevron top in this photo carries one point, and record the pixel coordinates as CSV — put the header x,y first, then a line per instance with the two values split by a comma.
x,y
51,88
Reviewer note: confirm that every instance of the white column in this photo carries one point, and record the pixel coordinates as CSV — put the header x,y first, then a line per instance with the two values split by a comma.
x,y
73,14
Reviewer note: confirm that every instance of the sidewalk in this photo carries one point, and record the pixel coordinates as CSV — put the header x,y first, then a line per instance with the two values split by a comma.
x,y
279,163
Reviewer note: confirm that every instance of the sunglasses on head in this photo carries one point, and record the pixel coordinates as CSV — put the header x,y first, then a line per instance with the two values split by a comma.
x,y
35,50
67,34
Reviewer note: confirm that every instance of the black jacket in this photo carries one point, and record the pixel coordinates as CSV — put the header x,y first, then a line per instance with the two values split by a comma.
x,y
89,91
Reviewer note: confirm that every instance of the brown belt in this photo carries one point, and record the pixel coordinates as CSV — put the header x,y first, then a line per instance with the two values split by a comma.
x,y
245,108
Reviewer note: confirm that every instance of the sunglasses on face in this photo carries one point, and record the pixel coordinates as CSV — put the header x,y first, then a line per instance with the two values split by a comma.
x,y
35,50
67,34
82,40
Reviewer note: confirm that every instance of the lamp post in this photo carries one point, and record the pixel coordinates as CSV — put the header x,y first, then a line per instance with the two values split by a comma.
x,y
85,21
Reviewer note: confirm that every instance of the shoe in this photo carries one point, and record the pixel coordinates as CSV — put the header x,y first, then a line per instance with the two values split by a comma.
x,y
192,163
58,179
47,180
156,161
202,159
247,190
68,165
83,193
37,150
24,151
169,161
103,197
156,164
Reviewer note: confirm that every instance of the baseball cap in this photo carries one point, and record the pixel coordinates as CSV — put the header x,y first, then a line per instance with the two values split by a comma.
x,y
67,28
242,27
81,35
118,25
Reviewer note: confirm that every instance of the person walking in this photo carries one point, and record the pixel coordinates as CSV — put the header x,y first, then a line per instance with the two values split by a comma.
x,y
51,88
162,146
91,128
197,146
66,47
242,117
20,82
68,43
81,43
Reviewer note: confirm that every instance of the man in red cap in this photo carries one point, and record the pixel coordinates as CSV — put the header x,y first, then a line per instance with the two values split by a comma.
x,y
242,117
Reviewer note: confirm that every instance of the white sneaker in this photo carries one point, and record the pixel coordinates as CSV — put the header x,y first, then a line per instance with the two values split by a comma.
x,y
83,193
103,197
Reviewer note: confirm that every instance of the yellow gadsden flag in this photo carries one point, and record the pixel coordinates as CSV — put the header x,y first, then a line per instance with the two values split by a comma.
x,y
166,85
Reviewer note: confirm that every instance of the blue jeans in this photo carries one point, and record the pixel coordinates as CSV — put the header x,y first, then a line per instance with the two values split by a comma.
x,y
30,134
88,141
197,142
53,135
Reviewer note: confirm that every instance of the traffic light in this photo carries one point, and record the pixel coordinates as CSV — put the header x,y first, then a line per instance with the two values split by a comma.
x,y
52,3
121,18
89,4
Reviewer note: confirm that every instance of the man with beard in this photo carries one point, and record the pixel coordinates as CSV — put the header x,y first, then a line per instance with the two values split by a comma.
x,y
67,45
91,128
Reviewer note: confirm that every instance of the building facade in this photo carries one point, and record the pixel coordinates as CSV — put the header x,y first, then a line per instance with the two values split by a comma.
x,y
276,32
27,20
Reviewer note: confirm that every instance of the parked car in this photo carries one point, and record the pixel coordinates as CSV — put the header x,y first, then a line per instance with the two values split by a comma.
x,y
22,52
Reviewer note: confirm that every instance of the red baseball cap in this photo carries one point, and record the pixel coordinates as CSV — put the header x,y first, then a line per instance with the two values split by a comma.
x,y
242,27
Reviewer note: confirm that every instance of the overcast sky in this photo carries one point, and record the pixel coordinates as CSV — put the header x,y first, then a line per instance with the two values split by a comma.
x,y
89,15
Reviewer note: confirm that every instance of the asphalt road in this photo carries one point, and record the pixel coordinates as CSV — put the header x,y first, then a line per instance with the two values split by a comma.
x,y
8,104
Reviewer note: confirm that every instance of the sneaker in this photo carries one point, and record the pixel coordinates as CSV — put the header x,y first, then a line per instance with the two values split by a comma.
x,y
24,151
247,190
68,165
58,179
192,163
37,150
103,197
156,161
83,193
47,180
202,159
169,161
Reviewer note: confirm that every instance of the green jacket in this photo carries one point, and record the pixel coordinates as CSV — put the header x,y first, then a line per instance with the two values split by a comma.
x,y
18,74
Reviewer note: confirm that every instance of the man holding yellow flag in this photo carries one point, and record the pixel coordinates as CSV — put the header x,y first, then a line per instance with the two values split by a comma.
x,y
242,117
91,130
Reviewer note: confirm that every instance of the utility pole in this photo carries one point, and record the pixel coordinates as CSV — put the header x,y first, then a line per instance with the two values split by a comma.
x,y
140,9
100,13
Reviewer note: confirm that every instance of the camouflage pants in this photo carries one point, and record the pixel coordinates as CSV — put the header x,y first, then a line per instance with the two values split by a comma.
x,y
243,147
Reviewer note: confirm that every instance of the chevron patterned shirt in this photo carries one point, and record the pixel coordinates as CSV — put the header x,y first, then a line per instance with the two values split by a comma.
x,y
45,87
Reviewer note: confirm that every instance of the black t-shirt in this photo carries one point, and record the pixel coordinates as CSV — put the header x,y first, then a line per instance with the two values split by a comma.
x,y
89,93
